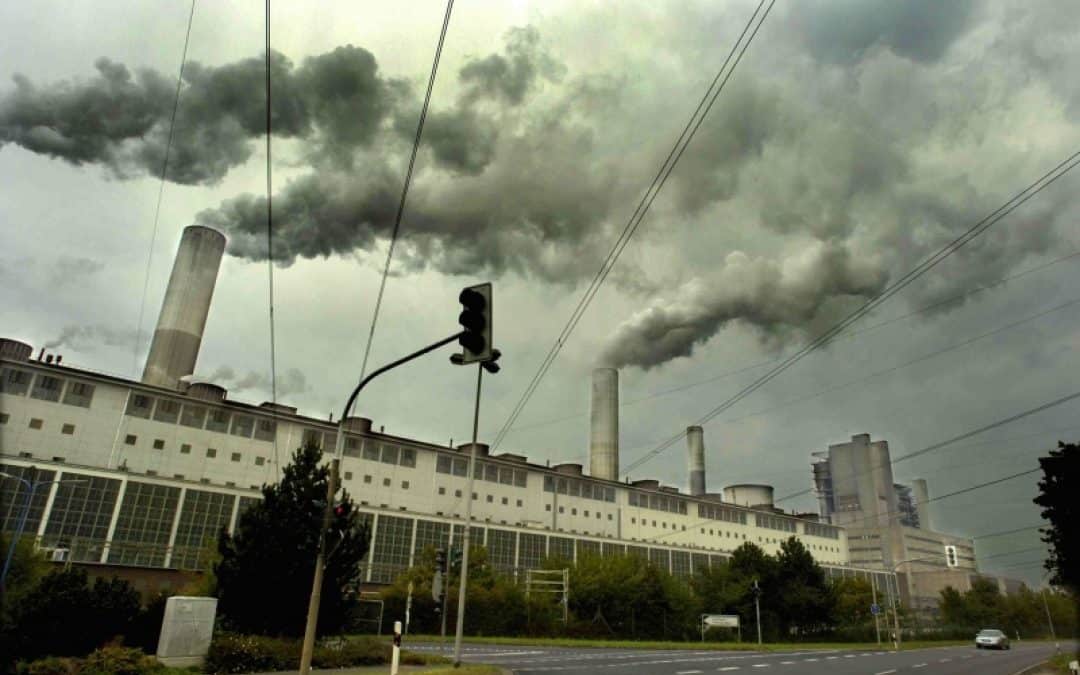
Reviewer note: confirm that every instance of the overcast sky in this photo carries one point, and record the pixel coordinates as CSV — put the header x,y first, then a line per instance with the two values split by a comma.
x,y
855,138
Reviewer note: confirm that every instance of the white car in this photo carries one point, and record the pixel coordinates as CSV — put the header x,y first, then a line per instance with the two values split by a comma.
x,y
991,638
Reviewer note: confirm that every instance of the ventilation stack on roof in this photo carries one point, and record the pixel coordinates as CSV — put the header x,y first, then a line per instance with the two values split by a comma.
x,y
922,496
604,429
14,350
175,347
695,446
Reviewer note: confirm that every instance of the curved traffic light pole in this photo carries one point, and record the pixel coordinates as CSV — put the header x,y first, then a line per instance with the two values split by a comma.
x,y
331,489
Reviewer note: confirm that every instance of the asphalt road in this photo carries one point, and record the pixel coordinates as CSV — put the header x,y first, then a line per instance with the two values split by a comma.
x,y
570,661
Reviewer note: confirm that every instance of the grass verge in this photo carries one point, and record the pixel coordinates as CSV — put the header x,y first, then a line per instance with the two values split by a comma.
x,y
663,644
465,670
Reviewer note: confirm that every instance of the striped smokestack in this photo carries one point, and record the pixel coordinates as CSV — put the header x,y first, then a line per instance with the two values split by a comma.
x,y
695,446
175,346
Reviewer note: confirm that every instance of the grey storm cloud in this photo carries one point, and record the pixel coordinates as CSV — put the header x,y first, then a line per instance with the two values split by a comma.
x,y
291,381
842,31
775,297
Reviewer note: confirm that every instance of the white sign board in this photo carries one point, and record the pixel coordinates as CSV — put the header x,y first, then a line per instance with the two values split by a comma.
x,y
186,631
721,620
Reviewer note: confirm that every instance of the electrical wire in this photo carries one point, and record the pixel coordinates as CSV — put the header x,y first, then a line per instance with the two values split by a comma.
x,y
921,310
922,268
1014,531
160,195
270,244
405,187
1008,553
687,135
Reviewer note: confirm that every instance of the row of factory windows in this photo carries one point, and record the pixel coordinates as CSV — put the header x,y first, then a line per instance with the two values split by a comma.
x,y
775,523
724,513
485,471
362,448
657,502
196,416
45,388
579,488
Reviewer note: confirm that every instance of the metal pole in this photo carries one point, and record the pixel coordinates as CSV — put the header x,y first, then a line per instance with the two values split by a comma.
x,y
877,624
757,609
468,520
896,618
1049,620
331,489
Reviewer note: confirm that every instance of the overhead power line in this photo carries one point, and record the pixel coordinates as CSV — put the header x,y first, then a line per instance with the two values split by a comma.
x,y
1008,553
405,187
733,58
1014,531
270,239
161,193
850,334
892,289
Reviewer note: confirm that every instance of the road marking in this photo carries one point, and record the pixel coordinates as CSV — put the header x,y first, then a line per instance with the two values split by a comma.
x,y
760,665
919,665
885,672
726,668
687,672
849,656
944,660
830,658
786,663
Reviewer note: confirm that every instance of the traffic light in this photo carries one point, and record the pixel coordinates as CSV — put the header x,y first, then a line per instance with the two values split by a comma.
x,y
951,559
475,319
440,560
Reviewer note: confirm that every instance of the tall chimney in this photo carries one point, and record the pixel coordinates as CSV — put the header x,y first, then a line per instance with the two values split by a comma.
x,y
175,346
695,446
604,432
921,495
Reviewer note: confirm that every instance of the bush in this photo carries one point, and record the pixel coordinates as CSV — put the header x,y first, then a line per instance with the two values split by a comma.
x,y
52,665
116,660
231,653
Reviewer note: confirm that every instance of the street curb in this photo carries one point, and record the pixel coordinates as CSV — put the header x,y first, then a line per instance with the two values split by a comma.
x,y
1031,668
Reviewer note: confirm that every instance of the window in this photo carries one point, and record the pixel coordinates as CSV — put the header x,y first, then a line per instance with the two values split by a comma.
x,y
211,452
519,477
140,405
457,493
506,475
547,507
159,444
491,473
442,490
386,482
193,416
14,381
408,457
218,421
265,430
442,464
352,446
461,467
367,479
130,439
167,411
47,388
404,485
348,475
235,457
260,461
519,503
562,509
490,499
573,512
185,449
79,393
311,437
586,513
243,425
4,417
505,501
67,429
371,451
389,454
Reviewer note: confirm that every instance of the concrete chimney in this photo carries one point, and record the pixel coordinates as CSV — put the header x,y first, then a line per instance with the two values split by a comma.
x,y
695,446
604,431
921,495
175,346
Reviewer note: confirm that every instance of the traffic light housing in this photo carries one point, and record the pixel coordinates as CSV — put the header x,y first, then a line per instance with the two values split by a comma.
x,y
951,559
440,560
476,322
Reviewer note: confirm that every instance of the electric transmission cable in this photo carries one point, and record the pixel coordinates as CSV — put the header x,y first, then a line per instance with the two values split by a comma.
x,y
270,243
1008,553
161,192
1013,531
405,186
683,141
892,289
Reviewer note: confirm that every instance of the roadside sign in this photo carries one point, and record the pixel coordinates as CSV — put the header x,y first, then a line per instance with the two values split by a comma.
x,y
875,609
721,620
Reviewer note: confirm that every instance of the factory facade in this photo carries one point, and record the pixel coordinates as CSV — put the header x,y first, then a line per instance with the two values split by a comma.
x,y
145,473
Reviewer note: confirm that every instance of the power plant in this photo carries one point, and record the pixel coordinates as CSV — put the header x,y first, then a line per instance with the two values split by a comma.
x,y
202,457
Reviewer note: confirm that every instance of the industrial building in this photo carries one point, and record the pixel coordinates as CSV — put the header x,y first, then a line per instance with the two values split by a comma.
x,y
145,473
888,525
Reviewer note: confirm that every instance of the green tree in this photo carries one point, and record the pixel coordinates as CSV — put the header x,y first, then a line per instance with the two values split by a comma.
x,y
851,609
803,601
271,556
1061,508
750,563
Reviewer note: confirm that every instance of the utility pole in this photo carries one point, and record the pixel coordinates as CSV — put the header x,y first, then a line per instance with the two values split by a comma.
x,y
458,633
757,609
1049,619
877,624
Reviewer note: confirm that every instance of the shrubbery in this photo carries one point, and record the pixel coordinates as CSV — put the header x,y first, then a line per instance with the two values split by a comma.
x,y
230,653
111,660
